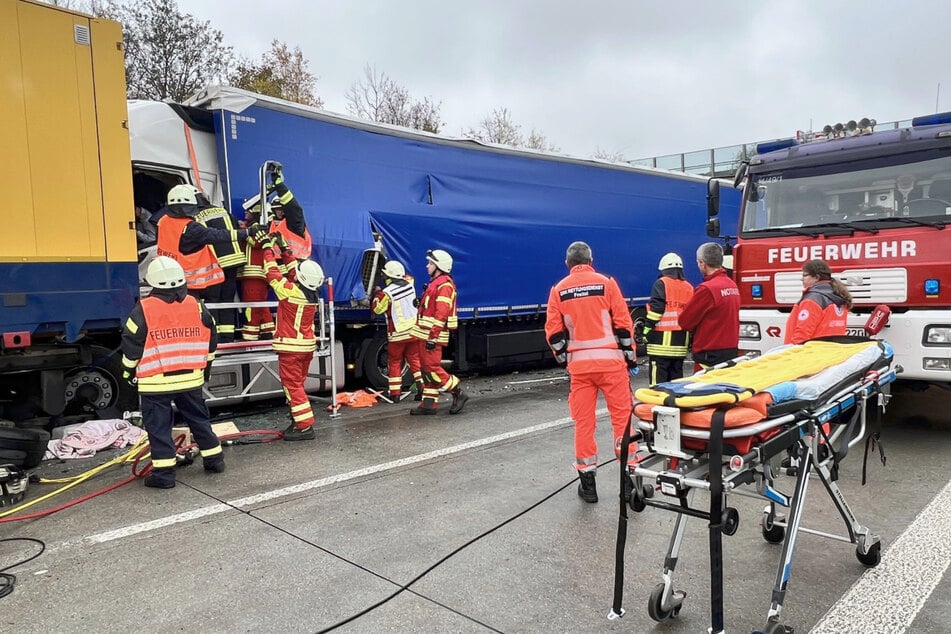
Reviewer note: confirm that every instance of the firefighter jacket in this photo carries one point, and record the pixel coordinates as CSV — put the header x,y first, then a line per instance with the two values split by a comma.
x,y
713,314
587,309
437,310
819,313
200,265
253,260
228,252
296,310
168,339
397,300
666,338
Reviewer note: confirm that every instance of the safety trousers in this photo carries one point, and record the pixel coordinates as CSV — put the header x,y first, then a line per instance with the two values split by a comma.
x,y
435,378
226,318
293,368
663,369
257,321
158,418
396,353
615,385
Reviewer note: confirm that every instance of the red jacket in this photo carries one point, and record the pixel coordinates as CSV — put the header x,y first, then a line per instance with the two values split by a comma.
x,y
819,313
437,310
296,310
589,307
713,314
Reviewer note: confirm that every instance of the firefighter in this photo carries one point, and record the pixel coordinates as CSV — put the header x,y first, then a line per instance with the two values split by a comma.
x,y
436,318
713,313
168,343
230,256
589,327
259,320
667,342
189,243
288,227
294,339
397,300
823,309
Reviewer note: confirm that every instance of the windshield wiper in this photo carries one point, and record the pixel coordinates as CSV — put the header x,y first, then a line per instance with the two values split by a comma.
x,y
855,226
937,224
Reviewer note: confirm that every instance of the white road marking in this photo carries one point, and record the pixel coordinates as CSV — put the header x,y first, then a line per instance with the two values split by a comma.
x,y
214,509
887,598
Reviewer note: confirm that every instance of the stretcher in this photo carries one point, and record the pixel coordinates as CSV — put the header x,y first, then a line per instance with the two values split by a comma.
x,y
690,438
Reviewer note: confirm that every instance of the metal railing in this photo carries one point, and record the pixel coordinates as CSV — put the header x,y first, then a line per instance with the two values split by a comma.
x,y
722,162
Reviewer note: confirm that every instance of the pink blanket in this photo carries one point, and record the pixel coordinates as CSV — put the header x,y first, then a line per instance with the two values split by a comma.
x,y
93,436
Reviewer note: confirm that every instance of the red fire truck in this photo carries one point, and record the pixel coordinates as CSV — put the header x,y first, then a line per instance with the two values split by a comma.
x,y
875,205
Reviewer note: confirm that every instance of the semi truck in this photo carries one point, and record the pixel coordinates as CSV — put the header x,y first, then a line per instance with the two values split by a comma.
x,y
875,205
71,266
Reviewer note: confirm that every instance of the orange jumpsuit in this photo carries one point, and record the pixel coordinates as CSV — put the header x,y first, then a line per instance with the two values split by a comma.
x,y
437,316
587,310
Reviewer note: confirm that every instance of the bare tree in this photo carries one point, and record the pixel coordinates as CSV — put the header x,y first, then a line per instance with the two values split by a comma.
x,y
378,97
168,54
282,73
607,155
498,127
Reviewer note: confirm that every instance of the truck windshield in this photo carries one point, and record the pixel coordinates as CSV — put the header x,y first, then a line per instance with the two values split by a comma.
x,y
877,193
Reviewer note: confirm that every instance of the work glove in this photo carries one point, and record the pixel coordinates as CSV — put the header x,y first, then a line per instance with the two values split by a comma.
x,y
128,375
431,344
276,177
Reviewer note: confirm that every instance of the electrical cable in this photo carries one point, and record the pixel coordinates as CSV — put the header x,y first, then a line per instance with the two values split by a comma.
x,y
8,580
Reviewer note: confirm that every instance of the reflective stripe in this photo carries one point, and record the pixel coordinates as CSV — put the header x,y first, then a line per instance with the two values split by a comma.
x,y
201,268
607,341
163,463
171,383
401,311
595,354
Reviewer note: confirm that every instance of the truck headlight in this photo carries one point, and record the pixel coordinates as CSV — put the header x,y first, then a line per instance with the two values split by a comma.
x,y
936,364
749,330
937,335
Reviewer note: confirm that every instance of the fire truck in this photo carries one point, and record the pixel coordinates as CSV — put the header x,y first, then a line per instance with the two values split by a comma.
x,y
875,205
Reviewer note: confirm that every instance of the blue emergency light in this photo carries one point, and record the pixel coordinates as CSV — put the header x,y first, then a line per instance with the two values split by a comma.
x,y
757,291
779,144
932,287
931,119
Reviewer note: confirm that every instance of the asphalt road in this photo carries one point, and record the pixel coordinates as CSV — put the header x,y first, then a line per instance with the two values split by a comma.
x,y
465,523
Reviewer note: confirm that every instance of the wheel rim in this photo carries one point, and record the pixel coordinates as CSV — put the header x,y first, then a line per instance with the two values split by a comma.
x,y
90,386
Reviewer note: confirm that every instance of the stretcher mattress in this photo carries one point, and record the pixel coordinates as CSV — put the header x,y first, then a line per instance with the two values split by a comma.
x,y
774,371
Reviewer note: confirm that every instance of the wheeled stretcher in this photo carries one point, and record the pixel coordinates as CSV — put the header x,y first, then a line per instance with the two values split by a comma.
x,y
721,432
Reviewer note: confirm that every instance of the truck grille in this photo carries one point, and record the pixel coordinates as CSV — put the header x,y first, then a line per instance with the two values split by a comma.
x,y
868,286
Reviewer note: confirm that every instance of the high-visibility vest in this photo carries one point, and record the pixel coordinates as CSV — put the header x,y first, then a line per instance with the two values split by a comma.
x,y
298,247
176,346
228,253
668,339
201,268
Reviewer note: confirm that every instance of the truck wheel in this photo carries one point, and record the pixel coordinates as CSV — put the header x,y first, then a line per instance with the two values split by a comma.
x,y
99,385
639,316
375,368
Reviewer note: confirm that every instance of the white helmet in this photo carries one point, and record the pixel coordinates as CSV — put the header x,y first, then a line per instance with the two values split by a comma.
x,y
182,195
441,259
310,275
394,269
164,272
670,261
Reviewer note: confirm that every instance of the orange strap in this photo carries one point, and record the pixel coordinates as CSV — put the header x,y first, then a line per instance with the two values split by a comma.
x,y
192,157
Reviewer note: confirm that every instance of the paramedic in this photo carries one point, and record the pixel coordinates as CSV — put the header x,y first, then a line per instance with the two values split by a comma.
x,y
397,300
436,317
713,313
823,309
667,342
588,327
294,339
168,343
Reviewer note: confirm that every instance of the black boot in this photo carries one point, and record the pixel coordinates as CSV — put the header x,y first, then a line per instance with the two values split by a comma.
x,y
587,488
161,478
419,391
459,399
292,433
423,411
215,464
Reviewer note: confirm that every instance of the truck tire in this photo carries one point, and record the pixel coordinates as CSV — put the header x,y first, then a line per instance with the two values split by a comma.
x,y
639,316
32,442
375,368
99,386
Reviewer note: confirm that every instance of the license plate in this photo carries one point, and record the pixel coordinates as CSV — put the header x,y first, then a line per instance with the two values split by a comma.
x,y
855,332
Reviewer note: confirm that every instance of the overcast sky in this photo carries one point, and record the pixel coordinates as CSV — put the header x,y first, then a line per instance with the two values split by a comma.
x,y
637,77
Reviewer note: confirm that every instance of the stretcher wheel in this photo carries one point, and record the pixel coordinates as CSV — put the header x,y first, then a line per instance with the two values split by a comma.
x,y
638,495
774,627
872,557
655,606
772,532
730,521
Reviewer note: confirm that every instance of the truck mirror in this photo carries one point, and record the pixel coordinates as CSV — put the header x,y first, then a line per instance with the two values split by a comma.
x,y
740,174
713,199
713,227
